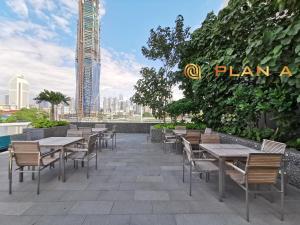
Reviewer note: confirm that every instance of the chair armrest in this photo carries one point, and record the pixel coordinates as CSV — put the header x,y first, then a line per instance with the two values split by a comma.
x,y
10,152
74,149
235,167
81,144
199,160
49,153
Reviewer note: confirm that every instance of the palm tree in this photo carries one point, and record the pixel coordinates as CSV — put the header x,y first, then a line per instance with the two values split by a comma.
x,y
54,98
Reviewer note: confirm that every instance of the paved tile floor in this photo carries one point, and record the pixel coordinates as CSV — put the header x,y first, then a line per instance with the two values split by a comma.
x,y
137,185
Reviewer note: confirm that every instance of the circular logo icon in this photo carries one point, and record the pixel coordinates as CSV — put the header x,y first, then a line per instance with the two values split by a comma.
x,y
192,71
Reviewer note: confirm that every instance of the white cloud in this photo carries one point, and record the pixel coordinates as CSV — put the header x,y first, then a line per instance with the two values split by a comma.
x,y
119,73
25,29
40,62
30,49
49,66
62,22
18,6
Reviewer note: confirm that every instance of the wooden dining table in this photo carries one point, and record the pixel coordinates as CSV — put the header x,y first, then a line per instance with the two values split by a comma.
x,y
58,143
224,152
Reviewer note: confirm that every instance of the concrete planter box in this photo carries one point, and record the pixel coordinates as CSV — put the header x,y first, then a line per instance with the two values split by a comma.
x,y
292,156
155,134
38,133
121,127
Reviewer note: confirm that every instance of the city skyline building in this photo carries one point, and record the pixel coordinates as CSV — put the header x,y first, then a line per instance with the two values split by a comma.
x,y
88,59
18,92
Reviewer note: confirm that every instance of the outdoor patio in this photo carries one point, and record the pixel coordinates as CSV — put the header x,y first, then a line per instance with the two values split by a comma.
x,y
138,185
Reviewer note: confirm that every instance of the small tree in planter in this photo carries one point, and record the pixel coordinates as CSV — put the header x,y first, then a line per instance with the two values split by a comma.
x,y
180,107
54,98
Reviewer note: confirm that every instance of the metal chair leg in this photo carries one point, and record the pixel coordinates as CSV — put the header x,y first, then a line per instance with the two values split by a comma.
x,y
21,174
206,177
183,171
190,179
10,175
282,194
96,160
33,173
39,176
247,202
59,169
87,168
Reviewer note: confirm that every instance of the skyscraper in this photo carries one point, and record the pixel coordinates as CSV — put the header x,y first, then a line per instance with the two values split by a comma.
x,y
88,59
18,92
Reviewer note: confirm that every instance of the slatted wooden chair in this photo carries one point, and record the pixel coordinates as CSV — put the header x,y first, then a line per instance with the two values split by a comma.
x,y
193,136
196,165
273,147
110,135
210,139
28,154
85,154
261,169
168,138
74,133
86,132
269,146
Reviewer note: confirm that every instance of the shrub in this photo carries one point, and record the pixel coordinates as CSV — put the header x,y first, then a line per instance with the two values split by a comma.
x,y
45,123
191,126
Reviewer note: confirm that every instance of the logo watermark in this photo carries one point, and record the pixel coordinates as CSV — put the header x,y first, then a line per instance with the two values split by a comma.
x,y
193,71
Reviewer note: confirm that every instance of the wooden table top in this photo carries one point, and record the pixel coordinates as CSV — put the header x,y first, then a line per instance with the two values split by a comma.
x,y
99,130
58,141
228,150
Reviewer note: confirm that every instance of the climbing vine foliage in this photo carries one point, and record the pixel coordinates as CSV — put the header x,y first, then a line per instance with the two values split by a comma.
x,y
251,33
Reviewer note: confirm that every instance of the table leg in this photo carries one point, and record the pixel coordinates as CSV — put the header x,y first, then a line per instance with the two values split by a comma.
x,y
221,178
62,161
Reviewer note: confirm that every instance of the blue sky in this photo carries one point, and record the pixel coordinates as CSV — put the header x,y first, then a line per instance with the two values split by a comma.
x,y
38,39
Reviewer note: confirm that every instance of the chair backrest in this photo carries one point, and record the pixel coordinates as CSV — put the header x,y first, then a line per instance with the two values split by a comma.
x,y
26,153
167,130
187,149
207,130
273,147
74,133
114,128
263,168
86,132
73,126
100,125
210,139
193,136
180,127
92,139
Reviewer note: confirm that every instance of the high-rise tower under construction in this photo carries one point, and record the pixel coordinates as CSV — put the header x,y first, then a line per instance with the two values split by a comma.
x,y
88,59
